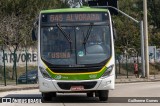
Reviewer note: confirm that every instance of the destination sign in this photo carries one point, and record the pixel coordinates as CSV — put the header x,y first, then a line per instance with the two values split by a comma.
x,y
74,17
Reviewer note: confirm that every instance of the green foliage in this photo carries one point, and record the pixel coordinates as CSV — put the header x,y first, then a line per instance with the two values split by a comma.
x,y
18,16
129,32
154,22
25,13
28,7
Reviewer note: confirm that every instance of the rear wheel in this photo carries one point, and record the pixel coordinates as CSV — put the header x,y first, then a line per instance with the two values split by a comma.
x,y
48,96
103,95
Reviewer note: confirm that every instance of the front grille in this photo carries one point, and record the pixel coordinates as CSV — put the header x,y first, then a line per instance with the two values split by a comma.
x,y
68,85
76,70
67,69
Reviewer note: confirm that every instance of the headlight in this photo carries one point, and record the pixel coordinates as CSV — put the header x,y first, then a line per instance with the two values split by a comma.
x,y
107,72
44,73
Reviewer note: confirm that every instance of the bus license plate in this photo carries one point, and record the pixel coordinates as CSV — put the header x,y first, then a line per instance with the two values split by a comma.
x,y
77,88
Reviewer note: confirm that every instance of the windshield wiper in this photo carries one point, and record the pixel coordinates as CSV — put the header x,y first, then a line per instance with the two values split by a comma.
x,y
64,33
66,36
87,36
88,33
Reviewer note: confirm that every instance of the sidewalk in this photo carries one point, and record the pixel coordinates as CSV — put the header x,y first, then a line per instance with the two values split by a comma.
x,y
120,79
133,79
18,87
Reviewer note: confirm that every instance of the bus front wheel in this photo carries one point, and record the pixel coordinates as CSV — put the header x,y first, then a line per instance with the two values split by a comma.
x,y
48,96
89,94
103,95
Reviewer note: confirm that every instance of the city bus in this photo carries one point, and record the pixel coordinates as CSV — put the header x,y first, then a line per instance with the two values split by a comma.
x,y
75,52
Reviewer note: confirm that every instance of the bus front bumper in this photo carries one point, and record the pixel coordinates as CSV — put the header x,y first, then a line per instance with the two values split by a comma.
x,y
46,85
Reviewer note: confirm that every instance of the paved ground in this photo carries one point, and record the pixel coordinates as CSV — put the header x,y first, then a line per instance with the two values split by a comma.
x,y
125,94
120,79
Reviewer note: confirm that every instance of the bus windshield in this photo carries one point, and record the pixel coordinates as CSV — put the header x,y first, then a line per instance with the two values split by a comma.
x,y
57,50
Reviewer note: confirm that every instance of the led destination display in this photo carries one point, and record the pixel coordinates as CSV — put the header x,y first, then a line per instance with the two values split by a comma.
x,y
74,17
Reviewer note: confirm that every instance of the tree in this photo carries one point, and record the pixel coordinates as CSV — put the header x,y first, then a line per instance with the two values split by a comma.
x,y
28,10
154,22
17,18
128,31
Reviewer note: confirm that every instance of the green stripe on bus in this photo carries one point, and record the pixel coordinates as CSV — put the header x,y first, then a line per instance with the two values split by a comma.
x,y
87,76
86,9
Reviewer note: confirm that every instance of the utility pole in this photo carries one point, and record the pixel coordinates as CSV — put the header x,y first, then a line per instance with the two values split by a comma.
x,y
142,49
146,38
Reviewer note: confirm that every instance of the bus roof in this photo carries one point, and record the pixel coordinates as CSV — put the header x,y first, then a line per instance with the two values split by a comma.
x,y
84,9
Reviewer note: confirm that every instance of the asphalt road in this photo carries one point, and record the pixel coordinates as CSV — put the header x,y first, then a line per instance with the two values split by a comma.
x,y
123,95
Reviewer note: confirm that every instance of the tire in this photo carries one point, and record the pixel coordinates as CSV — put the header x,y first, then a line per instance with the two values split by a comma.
x,y
90,94
48,96
103,95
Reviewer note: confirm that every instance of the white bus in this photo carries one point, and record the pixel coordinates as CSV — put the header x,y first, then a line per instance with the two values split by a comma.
x,y
75,52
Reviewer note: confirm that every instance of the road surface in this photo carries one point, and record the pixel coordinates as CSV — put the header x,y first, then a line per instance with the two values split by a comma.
x,y
125,93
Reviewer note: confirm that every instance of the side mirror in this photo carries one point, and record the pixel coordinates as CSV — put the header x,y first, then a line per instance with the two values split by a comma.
x,y
114,33
34,30
34,37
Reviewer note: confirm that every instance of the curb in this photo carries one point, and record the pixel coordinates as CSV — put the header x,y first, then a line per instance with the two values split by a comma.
x,y
18,87
137,81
